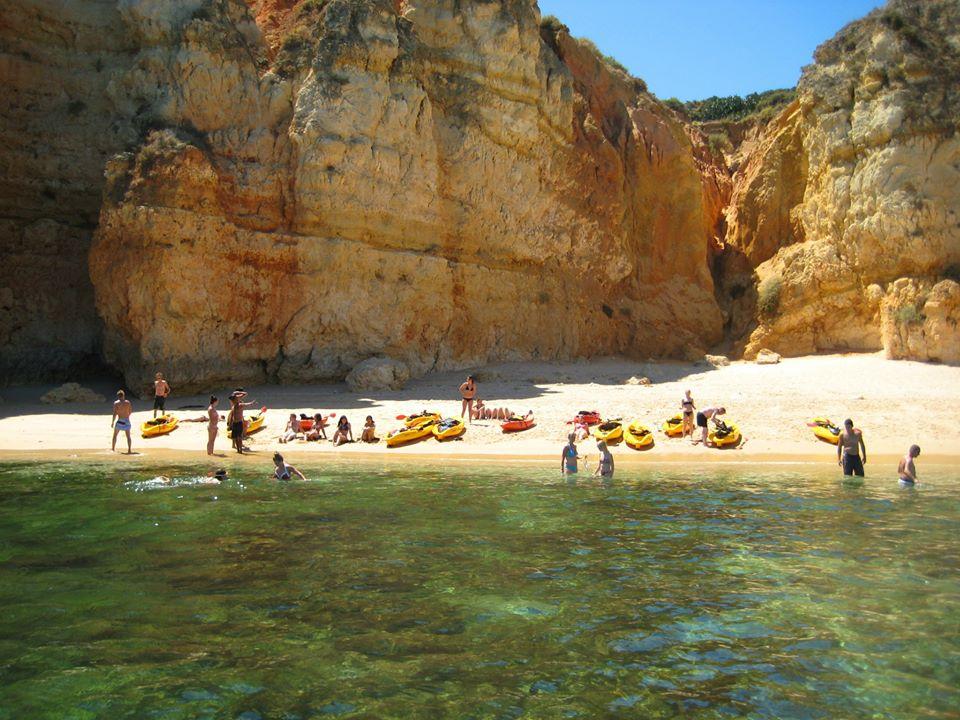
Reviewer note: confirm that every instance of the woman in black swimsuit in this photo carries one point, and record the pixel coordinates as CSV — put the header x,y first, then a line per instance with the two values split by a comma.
x,y
688,407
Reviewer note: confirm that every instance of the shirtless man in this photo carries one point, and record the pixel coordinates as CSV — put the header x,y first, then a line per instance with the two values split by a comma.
x,y
468,391
907,469
235,419
161,391
120,420
848,450
702,417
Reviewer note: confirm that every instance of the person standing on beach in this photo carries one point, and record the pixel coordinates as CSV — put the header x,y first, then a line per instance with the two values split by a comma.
x,y
907,470
848,450
468,391
235,418
569,456
213,417
702,417
687,406
122,409
161,391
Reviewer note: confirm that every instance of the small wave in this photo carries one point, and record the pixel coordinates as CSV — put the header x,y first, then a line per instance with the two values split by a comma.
x,y
164,483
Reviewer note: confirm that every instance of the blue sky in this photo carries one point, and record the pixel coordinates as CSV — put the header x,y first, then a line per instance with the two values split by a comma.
x,y
692,49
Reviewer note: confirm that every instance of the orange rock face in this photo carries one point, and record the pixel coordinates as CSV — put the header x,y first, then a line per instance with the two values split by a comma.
x,y
434,182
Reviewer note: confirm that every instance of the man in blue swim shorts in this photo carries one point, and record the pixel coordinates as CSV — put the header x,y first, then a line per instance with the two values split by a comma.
x,y
849,448
122,409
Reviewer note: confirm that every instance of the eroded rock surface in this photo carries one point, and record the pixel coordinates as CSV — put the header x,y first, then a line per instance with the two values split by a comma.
x,y
851,201
435,182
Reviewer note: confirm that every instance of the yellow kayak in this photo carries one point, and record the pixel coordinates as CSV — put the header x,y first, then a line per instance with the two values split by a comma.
x,y
825,430
160,425
610,431
726,436
673,427
638,436
252,424
421,418
448,429
410,434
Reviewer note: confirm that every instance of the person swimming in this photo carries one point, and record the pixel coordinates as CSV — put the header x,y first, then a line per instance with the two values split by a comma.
x,y
284,471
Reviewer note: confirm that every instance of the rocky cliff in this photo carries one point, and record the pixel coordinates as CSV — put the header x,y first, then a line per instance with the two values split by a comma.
x,y
844,225
275,190
438,182
58,126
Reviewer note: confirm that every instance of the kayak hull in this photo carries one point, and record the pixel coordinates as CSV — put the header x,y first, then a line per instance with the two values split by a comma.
x,y
163,425
673,427
421,419
730,440
448,429
407,435
255,423
638,436
587,417
514,425
609,432
825,430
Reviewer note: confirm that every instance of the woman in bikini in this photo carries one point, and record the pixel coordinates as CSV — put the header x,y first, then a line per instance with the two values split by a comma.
x,y
687,406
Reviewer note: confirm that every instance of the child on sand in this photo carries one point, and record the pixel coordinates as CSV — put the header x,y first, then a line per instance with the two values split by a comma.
x,y
161,391
369,434
292,429
907,469
343,432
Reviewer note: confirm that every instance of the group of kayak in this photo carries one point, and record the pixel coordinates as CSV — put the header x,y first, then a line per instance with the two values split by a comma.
x,y
426,424
640,437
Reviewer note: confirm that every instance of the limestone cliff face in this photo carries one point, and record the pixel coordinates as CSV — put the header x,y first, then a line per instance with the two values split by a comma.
x,y
432,181
58,125
849,207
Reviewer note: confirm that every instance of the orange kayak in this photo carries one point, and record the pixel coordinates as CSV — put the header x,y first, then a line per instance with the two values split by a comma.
x,y
517,424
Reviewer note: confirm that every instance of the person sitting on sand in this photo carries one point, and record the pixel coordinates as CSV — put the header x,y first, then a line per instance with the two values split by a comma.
x,y
319,431
284,471
343,432
687,407
605,462
369,434
849,445
907,470
702,417
161,391
581,430
569,456
292,429
120,421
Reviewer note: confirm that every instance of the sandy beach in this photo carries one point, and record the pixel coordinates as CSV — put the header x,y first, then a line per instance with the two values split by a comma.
x,y
895,403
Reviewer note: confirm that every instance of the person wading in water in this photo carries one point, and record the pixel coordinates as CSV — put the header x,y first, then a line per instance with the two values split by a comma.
x,y
848,450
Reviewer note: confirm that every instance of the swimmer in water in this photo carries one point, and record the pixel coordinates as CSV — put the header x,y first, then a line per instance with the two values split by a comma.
x,y
283,471
907,470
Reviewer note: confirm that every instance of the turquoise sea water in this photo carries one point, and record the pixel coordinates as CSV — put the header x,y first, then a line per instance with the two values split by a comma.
x,y
389,592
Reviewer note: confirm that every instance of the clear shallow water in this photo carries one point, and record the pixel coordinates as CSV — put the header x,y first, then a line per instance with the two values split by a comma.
x,y
495,593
